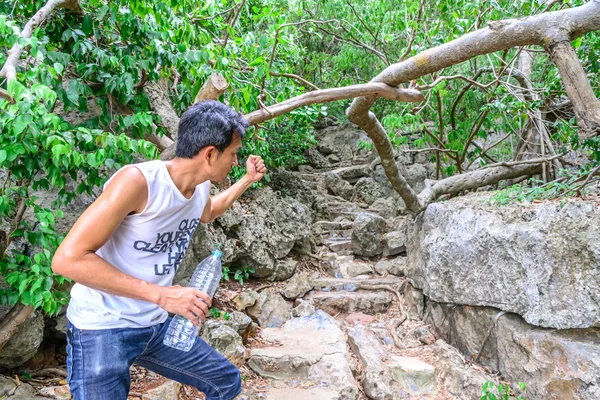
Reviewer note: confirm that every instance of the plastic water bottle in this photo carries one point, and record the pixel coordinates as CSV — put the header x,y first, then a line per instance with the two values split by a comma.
x,y
182,333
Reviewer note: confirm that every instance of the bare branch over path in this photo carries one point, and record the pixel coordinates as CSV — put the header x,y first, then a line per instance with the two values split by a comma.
x,y
546,30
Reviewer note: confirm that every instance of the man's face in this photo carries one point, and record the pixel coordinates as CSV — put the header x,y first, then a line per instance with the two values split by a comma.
x,y
228,158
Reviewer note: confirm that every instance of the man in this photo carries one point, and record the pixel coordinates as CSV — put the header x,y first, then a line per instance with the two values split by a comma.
x,y
123,253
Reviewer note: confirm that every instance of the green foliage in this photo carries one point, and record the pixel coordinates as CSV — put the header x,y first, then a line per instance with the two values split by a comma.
x,y
239,275
216,314
502,391
567,185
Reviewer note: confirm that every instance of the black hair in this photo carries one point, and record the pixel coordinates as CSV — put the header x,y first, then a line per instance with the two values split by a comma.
x,y
208,123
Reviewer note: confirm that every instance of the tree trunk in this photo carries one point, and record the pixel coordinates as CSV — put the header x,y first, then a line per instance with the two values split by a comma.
x,y
577,86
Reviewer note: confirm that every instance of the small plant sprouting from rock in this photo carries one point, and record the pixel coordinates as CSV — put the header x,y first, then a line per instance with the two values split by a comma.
x,y
239,275
502,391
216,314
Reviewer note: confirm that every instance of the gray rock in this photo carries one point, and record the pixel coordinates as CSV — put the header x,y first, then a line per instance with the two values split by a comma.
x,y
353,173
270,310
368,302
464,327
414,174
460,380
261,231
284,269
56,392
387,207
245,299
291,185
340,140
554,364
333,158
367,190
387,376
239,321
316,159
338,186
225,340
167,391
367,230
395,266
9,390
24,343
414,301
311,350
394,243
303,309
537,260
298,286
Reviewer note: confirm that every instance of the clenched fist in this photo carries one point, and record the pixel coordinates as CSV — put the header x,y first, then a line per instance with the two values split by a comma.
x,y
255,168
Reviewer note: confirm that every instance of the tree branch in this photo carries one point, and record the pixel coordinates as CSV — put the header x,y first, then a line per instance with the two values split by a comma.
x,y
9,70
544,30
298,78
11,322
413,33
328,95
577,86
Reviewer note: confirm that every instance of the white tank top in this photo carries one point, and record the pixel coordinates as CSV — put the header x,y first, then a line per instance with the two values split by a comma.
x,y
148,246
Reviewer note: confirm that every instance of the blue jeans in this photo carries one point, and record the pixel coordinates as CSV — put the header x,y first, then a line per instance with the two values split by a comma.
x,y
98,363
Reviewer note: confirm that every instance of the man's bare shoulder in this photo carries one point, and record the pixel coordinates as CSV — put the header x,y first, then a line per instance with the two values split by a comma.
x,y
128,187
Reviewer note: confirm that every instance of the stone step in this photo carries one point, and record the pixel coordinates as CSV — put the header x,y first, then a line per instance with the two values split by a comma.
x,y
337,234
288,393
368,302
386,375
342,246
331,225
309,350
352,285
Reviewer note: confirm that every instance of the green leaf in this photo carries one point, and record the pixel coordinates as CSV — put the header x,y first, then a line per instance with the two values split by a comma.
x,y
88,25
58,68
3,155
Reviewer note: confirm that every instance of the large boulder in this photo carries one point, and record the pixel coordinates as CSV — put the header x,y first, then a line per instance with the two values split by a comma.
x,y
24,343
367,190
554,364
414,174
338,186
226,340
270,310
316,159
309,352
340,140
254,233
367,230
540,261
388,376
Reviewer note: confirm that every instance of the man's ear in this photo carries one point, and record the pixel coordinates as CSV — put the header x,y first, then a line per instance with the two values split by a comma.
x,y
209,154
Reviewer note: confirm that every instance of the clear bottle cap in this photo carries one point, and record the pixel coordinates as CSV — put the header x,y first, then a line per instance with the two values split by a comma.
x,y
217,253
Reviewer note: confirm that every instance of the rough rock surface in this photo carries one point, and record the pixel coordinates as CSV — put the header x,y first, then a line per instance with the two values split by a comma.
x,y
460,380
537,260
24,343
554,364
338,186
395,266
387,376
394,243
270,310
225,340
312,352
254,234
366,234
367,190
